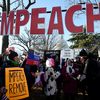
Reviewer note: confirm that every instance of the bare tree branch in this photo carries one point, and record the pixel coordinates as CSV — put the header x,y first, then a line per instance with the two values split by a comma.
x,y
30,3
14,2
17,6
23,4
19,45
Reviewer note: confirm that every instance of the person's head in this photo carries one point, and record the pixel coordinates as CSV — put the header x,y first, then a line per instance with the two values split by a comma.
x,y
13,55
77,59
83,55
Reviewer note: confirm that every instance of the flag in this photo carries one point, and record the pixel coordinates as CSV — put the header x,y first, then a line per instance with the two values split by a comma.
x,y
32,59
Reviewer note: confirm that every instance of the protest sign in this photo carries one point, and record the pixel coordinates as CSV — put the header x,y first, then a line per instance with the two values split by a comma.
x,y
55,54
67,53
32,59
16,83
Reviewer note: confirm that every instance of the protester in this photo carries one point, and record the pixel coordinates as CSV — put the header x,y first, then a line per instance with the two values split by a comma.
x,y
91,73
33,75
42,66
30,71
82,77
11,61
69,75
50,77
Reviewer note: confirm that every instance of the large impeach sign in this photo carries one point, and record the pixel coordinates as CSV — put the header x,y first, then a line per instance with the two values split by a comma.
x,y
16,83
10,26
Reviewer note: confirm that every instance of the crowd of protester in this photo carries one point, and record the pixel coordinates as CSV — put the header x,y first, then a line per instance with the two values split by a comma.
x,y
81,75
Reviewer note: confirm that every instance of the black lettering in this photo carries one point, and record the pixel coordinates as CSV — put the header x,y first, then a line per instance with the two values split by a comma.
x,y
21,76
11,75
17,88
10,89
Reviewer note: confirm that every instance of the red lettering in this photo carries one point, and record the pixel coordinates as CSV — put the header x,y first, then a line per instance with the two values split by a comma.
x,y
20,22
69,19
56,22
91,17
59,24
35,21
7,26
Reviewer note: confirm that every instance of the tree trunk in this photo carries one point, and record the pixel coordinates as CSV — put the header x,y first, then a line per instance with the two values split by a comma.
x,y
5,42
5,39
4,5
8,6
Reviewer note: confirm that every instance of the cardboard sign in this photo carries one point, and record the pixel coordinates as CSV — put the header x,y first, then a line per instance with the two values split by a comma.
x,y
67,53
16,83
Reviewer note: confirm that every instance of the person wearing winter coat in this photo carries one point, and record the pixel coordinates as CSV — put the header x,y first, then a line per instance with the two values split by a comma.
x,y
50,77
69,76
91,73
11,61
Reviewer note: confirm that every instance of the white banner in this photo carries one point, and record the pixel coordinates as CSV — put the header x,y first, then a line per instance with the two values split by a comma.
x,y
68,53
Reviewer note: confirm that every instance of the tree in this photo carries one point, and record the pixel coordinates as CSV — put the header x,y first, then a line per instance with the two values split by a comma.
x,y
38,43
84,40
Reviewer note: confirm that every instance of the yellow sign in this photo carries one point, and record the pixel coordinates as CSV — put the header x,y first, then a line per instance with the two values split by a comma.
x,y
16,83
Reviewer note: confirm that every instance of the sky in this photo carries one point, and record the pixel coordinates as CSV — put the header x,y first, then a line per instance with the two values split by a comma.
x,y
49,4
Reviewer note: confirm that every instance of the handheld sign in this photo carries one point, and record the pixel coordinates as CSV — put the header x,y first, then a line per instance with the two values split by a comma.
x,y
32,59
55,54
67,53
16,83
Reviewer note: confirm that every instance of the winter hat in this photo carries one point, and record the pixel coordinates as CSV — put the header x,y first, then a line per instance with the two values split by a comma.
x,y
12,55
83,53
50,62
